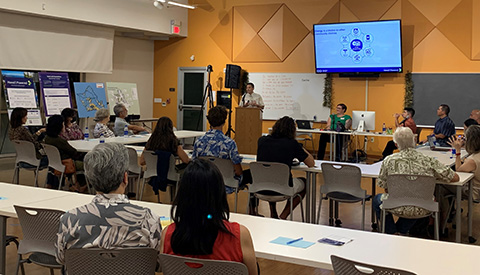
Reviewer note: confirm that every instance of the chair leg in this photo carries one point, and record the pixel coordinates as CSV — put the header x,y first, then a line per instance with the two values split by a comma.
x,y
301,208
383,221
448,215
437,222
291,208
142,188
330,212
363,215
19,262
15,171
60,182
51,271
319,209
36,175
236,199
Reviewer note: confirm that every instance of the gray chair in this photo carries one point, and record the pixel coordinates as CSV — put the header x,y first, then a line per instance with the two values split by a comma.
x,y
344,266
54,162
151,171
304,137
411,190
226,168
134,169
26,159
273,176
40,228
342,183
173,265
93,261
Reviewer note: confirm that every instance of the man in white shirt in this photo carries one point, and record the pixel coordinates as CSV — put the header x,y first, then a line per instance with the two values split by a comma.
x,y
251,99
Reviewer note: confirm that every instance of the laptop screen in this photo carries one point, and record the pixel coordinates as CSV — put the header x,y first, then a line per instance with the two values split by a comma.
x,y
303,124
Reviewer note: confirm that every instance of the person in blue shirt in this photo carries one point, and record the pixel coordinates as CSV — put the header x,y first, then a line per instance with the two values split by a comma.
x,y
444,127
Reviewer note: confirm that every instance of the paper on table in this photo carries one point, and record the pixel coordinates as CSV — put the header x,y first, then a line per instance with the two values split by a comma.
x,y
300,244
335,240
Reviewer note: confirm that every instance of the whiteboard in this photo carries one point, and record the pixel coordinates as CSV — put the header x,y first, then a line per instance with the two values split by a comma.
x,y
298,95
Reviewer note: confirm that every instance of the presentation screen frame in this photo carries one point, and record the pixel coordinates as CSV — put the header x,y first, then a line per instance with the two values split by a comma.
x,y
358,47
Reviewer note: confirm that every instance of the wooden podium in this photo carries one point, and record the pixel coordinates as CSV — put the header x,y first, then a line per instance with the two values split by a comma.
x,y
248,129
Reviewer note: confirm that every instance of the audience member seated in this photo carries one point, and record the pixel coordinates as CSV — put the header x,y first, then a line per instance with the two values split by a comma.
x,y
469,122
55,127
282,147
201,228
407,121
110,220
121,112
334,121
411,162
18,132
475,115
472,162
102,116
72,131
215,144
444,127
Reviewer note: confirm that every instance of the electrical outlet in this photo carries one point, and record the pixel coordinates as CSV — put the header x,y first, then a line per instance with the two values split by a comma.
x,y
371,139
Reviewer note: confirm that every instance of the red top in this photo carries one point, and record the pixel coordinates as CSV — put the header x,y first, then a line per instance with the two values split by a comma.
x,y
410,124
225,248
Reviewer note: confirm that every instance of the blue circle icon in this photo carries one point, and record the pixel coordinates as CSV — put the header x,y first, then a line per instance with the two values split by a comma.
x,y
356,45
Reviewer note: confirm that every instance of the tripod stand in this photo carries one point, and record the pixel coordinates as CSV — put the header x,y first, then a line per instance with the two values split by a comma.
x,y
206,95
230,128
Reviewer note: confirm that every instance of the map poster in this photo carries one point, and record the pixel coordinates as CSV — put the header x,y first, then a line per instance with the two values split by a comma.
x,y
125,93
90,98
55,89
20,91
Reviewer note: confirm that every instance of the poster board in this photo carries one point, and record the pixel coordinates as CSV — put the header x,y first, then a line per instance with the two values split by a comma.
x,y
55,89
298,95
125,93
90,98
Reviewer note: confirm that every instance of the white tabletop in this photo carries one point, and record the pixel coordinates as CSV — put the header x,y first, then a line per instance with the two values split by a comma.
x,y
416,255
444,157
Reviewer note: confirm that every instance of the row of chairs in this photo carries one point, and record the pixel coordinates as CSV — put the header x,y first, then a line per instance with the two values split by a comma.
x,y
40,226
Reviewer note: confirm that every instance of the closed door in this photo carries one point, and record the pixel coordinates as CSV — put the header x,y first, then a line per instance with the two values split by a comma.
x,y
192,82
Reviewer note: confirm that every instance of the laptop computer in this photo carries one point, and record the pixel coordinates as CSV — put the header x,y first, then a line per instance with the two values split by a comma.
x,y
303,124
432,142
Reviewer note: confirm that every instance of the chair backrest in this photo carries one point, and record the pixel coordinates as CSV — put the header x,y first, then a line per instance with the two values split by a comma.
x,y
26,152
172,265
349,267
133,166
226,168
141,260
271,176
38,223
419,130
342,178
54,159
411,190
151,161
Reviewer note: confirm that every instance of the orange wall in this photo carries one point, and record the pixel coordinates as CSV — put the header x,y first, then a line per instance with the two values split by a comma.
x,y
438,36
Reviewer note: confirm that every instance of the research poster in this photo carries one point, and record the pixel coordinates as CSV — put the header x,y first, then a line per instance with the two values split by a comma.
x,y
55,89
90,98
125,93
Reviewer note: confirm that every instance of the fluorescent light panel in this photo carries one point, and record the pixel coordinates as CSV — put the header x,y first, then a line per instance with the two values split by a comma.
x,y
180,5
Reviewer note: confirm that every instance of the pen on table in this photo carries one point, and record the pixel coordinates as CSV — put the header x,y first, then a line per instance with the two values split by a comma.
x,y
293,241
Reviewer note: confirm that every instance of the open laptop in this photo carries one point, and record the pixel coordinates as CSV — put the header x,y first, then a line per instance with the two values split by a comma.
x,y
303,124
431,141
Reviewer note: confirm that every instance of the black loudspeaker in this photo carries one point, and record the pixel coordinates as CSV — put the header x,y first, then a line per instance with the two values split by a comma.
x,y
232,76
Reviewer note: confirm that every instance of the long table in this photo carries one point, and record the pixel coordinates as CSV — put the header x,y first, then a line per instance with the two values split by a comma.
x,y
87,145
416,255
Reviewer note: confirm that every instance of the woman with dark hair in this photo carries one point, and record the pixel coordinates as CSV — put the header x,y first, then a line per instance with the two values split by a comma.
x,y
55,126
72,130
18,132
201,228
472,162
163,138
340,119
282,147
469,122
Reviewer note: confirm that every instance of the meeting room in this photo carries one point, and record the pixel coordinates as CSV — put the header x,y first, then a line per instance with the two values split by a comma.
x,y
239,137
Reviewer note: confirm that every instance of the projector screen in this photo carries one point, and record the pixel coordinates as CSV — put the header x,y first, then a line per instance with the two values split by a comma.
x,y
374,46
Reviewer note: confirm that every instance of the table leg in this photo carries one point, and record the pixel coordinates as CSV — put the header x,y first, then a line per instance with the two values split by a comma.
x,y
471,239
458,215
374,220
3,233
307,198
313,187
331,149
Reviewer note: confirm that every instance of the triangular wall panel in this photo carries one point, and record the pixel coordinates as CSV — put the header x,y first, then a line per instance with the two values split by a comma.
x,y
368,9
257,51
435,10
257,15
243,33
222,34
457,27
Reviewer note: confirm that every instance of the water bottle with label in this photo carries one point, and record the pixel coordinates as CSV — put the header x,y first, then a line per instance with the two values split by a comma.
x,y
125,131
454,152
102,138
86,134
384,128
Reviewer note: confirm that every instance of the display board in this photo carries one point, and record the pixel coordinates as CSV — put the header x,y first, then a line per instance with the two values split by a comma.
x,y
125,93
55,89
298,95
90,98
461,92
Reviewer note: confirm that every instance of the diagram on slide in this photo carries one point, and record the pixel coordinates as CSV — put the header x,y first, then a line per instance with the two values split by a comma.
x,y
356,45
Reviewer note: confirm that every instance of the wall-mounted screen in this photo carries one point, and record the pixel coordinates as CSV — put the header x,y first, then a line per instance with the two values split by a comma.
x,y
370,47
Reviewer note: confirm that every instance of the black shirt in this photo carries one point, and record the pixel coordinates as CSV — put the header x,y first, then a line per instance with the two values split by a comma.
x,y
282,150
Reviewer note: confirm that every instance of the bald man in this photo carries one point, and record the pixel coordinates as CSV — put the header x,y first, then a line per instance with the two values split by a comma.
x,y
475,114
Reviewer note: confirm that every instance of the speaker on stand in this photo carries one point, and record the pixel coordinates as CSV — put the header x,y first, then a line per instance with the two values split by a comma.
x,y
232,81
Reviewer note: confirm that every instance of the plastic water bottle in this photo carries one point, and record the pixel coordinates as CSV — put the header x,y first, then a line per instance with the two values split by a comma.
x,y
125,131
102,138
454,152
86,134
384,129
